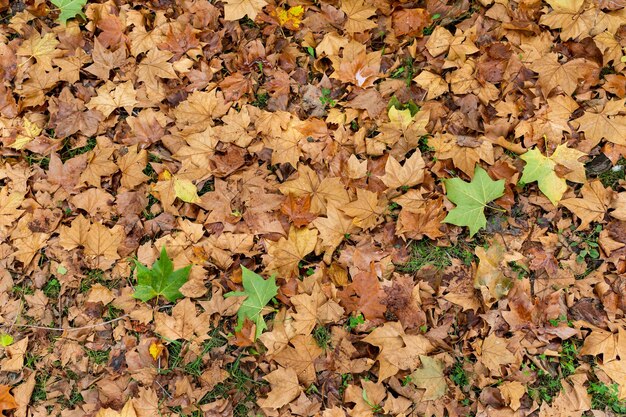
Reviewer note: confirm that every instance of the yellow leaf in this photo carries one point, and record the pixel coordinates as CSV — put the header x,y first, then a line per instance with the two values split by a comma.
x,y
290,18
186,190
155,349
29,132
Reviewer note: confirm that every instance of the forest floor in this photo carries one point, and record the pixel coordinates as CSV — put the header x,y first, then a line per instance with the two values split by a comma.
x,y
313,208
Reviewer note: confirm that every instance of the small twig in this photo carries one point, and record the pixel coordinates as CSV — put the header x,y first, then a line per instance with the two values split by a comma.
x,y
69,329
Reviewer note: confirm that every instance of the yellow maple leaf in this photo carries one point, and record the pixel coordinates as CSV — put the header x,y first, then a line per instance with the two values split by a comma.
x,y
29,132
155,349
289,18
186,190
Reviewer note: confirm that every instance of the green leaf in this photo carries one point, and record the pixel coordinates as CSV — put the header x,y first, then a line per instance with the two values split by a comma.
x,y
6,340
69,8
540,168
471,199
258,293
160,280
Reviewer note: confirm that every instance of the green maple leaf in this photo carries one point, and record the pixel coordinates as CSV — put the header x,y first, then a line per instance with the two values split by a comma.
x,y
69,8
540,168
258,293
471,199
160,280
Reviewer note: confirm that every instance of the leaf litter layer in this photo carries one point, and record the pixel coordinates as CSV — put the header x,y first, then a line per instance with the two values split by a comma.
x,y
352,208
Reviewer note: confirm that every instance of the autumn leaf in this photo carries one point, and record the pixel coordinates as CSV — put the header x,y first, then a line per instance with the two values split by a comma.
x,y
541,168
408,175
364,295
489,272
358,13
285,255
430,378
366,210
237,9
184,323
301,357
285,388
495,353
592,206
289,18
7,402
160,280
127,411
258,293
471,199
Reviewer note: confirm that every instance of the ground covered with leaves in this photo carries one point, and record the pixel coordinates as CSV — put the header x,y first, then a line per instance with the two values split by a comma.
x,y
312,208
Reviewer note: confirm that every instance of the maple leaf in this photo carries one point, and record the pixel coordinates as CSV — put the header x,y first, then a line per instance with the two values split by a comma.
x,y
605,124
495,353
289,18
111,97
489,272
237,9
592,206
42,48
285,388
104,60
184,323
9,204
365,295
330,189
258,293
127,411
410,174
69,8
185,190
541,168
358,14
160,280
471,199
366,209
553,74
285,255
301,357
7,402
313,309
430,377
